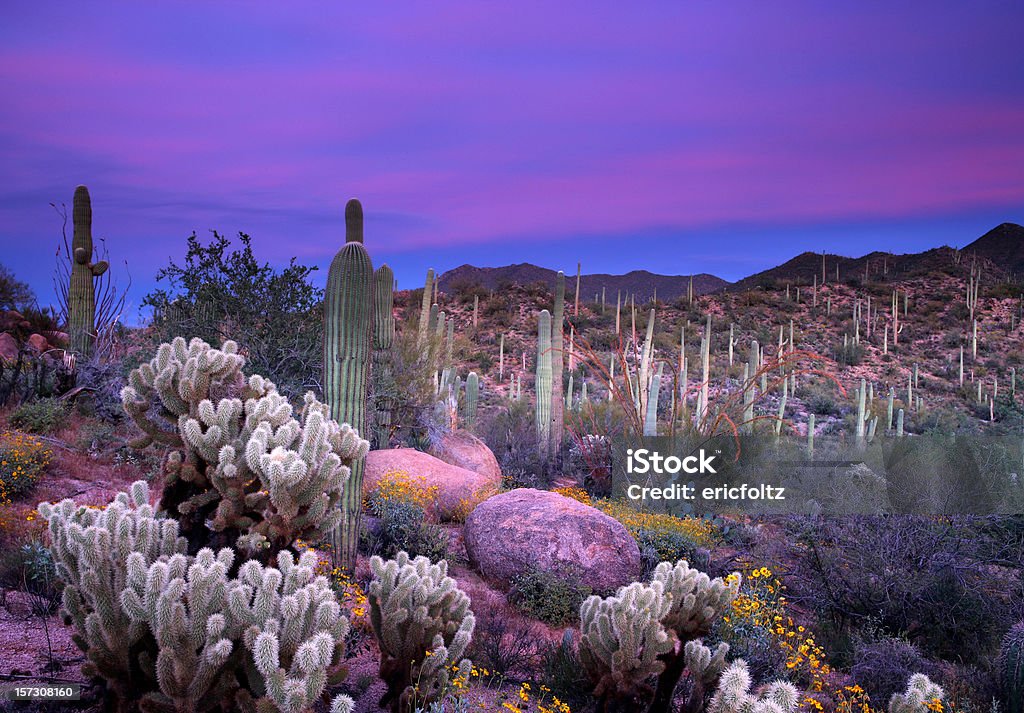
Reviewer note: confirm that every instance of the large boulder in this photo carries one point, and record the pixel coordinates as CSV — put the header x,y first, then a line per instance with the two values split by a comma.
x,y
526,528
38,343
458,489
8,348
467,451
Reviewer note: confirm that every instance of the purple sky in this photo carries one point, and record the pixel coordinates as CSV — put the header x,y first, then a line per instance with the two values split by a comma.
x,y
679,136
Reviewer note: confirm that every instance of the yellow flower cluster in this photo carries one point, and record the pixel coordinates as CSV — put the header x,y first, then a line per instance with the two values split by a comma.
x,y
22,460
524,702
852,699
761,604
350,595
575,493
399,486
466,505
700,530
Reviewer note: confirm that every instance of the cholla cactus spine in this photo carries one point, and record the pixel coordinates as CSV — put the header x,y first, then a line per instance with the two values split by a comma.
x,y
244,465
89,548
631,636
921,696
733,694
423,626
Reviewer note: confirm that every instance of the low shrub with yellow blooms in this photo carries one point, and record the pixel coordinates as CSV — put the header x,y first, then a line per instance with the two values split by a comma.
x,y
700,531
466,505
761,605
23,458
399,486
575,493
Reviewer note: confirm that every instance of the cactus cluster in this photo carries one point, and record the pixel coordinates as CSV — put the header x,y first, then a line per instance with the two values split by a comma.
x,y
241,469
177,634
82,288
423,626
642,632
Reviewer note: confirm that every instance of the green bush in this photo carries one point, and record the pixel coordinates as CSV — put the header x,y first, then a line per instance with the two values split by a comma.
x,y
401,526
40,416
551,597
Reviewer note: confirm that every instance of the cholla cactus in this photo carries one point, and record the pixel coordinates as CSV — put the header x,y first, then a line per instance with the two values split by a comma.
x,y
734,696
623,640
89,548
697,600
181,602
292,623
921,696
643,630
423,625
241,465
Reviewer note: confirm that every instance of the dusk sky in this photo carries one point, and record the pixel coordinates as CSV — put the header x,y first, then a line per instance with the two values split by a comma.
x,y
684,136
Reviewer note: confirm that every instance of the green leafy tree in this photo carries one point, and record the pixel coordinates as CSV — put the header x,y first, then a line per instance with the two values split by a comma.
x,y
223,292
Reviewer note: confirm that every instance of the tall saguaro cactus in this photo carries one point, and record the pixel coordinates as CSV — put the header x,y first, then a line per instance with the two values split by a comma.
x,y
348,317
82,290
557,361
383,341
542,408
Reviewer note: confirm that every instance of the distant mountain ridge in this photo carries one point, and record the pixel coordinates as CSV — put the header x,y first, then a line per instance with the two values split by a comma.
x,y
1002,248
640,283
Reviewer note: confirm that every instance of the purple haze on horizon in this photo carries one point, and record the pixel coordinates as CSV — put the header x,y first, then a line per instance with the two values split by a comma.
x,y
676,137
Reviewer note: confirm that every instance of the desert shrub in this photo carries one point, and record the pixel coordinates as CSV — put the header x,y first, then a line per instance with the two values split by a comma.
x,y
402,526
23,458
503,645
416,418
39,577
400,504
849,353
903,570
551,597
563,672
662,537
511,434
40,416
882,666
222,292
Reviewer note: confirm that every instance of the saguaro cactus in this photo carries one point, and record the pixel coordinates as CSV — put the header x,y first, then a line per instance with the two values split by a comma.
x,y
557,361
542,408
348,315
1011,668
82,290
383,341
472,398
